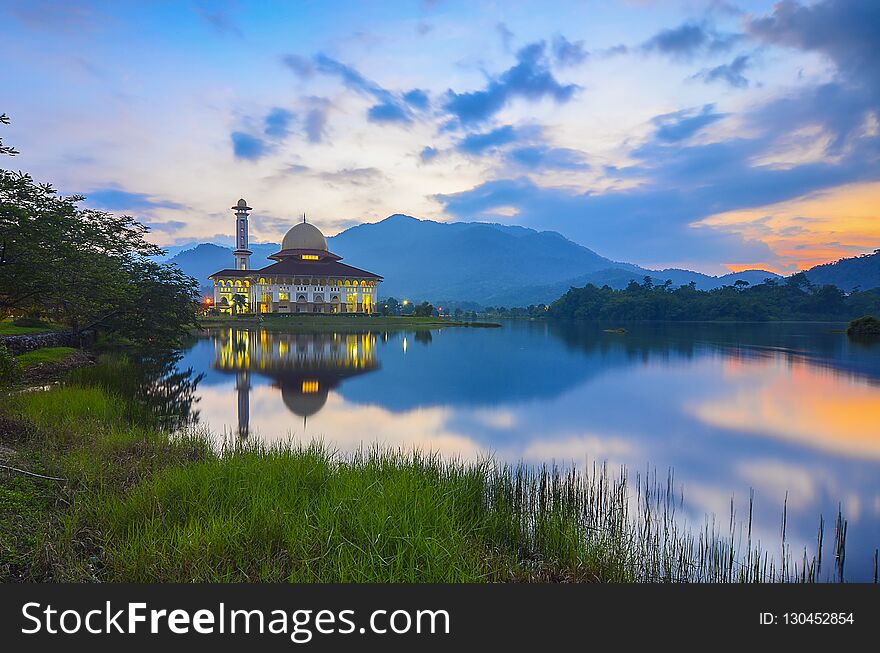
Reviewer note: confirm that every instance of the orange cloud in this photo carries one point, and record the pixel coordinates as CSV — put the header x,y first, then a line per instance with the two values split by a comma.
x,y
813,229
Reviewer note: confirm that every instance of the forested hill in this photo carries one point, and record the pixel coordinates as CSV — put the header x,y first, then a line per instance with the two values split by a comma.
x,y
793,299
862,272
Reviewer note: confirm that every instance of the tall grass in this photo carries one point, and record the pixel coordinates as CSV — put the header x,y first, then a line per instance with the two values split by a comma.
x,y
139,506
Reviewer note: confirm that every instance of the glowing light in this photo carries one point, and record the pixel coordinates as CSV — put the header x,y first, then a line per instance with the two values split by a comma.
x,y
309,387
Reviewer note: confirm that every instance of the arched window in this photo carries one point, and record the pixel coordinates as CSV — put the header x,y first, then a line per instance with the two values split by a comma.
x,y
262,281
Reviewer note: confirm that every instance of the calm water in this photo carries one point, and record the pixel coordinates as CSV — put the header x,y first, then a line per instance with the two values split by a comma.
x,y
783,408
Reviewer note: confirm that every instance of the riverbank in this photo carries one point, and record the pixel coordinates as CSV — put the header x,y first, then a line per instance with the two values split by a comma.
x,y
100,493
295,322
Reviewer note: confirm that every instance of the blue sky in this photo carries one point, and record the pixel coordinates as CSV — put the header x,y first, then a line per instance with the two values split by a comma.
x,y
711,135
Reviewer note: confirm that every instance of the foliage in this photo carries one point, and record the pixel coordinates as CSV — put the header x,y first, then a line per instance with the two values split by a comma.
x,y
9,367
864,327
423,310
6,149
795,299
85,268
239,303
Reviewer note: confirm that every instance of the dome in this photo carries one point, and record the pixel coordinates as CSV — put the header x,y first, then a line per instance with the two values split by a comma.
x,y
304,405
304,236
241,202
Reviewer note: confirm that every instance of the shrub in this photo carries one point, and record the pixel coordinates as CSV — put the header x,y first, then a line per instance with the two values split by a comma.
x,y
30,322
864,327
9,368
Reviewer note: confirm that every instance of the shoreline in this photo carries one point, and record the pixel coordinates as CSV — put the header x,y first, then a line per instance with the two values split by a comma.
x,y
338,322
116,499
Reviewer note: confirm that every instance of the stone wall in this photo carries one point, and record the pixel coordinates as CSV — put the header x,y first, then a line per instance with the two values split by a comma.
x,y
18,345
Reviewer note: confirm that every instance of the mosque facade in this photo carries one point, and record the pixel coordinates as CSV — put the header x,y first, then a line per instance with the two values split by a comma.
x,y
305,277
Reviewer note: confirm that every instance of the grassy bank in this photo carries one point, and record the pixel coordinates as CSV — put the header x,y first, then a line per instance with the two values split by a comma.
x,y
123,502
338,322
45,355
8,328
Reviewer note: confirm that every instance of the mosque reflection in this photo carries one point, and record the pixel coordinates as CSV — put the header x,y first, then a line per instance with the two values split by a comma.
x,y
305,367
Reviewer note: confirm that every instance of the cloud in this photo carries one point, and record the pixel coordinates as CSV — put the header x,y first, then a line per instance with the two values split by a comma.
x,y
277,122
301,66
479,143
417,98
681,182
353,176
732,72
389,108
315,120
388,112
530,79
555,158
166,227
689,39
350,77
846,31
251,148
220,21
505,34
116,199
681,125
532,150
567,53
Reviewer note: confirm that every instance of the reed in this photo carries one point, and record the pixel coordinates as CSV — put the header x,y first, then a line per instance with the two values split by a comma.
x,y
140,506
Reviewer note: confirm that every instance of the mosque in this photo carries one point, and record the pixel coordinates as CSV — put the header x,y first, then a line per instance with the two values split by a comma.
x,y
306,277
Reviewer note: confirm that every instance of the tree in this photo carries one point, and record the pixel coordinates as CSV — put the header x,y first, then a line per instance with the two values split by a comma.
x,y
740,284
85,268
424,310
239,303
390,306
5,149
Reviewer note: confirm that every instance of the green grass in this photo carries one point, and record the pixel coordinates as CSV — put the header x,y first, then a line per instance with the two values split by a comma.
x,y
138,506
7,328
45,355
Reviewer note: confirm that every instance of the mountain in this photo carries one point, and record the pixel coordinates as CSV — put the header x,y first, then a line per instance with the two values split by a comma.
x,y
468,261
849,273
491,264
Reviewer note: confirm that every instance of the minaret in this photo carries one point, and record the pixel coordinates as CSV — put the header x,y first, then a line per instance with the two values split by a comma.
x,y
242,254
243,389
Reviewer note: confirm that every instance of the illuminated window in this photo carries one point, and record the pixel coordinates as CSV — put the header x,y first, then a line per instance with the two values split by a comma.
x,y
309,387
310,257
283,296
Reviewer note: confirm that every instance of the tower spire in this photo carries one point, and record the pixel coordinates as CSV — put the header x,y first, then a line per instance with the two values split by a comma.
x,y
242,254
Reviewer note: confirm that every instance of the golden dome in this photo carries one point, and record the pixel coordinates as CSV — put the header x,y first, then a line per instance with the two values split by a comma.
x,y
304,236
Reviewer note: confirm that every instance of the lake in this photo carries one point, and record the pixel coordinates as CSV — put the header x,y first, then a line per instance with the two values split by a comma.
x,y
789,411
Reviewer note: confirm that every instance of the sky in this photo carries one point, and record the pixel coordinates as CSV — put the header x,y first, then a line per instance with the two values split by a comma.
x,y
712,135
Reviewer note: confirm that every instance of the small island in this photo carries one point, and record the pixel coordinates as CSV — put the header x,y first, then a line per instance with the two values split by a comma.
x,y
867,327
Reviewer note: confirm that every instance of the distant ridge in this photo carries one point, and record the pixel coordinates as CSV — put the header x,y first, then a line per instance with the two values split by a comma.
x,y
858,272
500,265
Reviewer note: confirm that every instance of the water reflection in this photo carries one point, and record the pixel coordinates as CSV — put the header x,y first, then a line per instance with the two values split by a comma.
x,y
304,367
791,410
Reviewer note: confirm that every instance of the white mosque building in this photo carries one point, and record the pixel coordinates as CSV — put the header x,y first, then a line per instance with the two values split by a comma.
x,y
306,278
